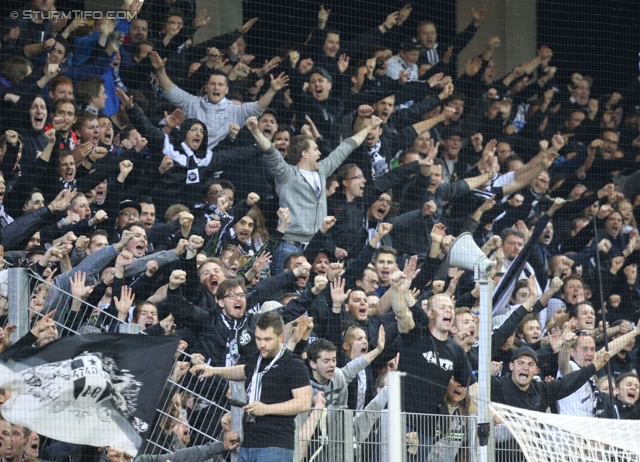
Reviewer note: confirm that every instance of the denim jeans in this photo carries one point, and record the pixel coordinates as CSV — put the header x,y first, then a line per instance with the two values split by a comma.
x,y
279,256
265,455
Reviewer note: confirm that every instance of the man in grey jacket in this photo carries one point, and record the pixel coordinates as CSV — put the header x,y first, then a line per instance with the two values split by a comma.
x,y
301,183
214,108
333,381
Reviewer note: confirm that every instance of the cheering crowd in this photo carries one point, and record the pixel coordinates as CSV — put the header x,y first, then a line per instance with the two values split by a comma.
x,y
290,223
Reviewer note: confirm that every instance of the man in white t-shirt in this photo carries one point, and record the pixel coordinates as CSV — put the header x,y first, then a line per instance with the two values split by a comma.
x,y
584,402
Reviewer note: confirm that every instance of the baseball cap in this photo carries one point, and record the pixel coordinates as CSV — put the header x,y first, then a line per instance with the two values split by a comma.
x,y
322,71
128,203
524,351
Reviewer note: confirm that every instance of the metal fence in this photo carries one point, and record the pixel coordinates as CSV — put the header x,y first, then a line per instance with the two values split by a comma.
x,y
191,410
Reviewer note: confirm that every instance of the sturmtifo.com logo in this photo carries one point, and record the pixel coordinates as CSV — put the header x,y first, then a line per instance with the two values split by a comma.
x,y
74,14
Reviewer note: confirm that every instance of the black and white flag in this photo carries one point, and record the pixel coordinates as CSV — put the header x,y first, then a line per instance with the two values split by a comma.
x,y
97,390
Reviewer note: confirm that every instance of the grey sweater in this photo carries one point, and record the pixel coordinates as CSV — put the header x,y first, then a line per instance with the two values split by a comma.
x,y
216,116
296,193
336,395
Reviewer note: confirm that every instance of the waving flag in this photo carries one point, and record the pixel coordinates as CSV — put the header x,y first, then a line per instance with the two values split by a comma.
x,y
97,390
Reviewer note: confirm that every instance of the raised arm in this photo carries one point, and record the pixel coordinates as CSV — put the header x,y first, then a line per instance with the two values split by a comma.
x,y
261,140
277,84
373,354
161,74
359,137
616,346
428,124
399,302
533,168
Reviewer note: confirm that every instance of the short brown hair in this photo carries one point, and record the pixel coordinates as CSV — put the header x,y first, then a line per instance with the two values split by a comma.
x,y
88,89
385,249
216,261
269,319
136,310
173,210
16,68
227,284
296,146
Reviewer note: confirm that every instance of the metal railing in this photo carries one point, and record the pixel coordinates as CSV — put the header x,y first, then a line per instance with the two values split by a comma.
x,y
190,409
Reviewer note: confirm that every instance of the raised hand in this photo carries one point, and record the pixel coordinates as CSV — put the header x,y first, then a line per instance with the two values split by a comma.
x,y
451,290
302,270
381,338
165,165
327,223
338,295
181,248
124,259
78,287
252,123
156,61
201,19
403,14
384,229
195,242
252,199
411,269
479,14
263,260
174,119
247,26
319,283
343,63
125,302
438,232
152,268
335,269
125,100
212,227
177,278
278,83
169,328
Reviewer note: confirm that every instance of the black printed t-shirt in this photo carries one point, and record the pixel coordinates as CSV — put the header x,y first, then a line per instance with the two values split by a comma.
x,y
275,431
426,382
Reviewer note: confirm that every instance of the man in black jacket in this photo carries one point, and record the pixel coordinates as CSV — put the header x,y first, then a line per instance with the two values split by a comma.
x,y
519,389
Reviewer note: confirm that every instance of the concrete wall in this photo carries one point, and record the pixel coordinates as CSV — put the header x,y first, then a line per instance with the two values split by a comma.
x,y
514,21
226,15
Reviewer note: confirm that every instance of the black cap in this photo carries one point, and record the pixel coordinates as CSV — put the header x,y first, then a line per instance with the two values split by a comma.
x,y
322,71
524,351
129,204
450,132
269,111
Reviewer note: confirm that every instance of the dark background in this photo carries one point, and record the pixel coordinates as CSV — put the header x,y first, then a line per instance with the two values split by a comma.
x,y
600,39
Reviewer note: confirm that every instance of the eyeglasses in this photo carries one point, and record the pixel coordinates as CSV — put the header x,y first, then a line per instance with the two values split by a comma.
x,y
373,282
133,215
197,130
607,140
357,177
385,201
234,296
